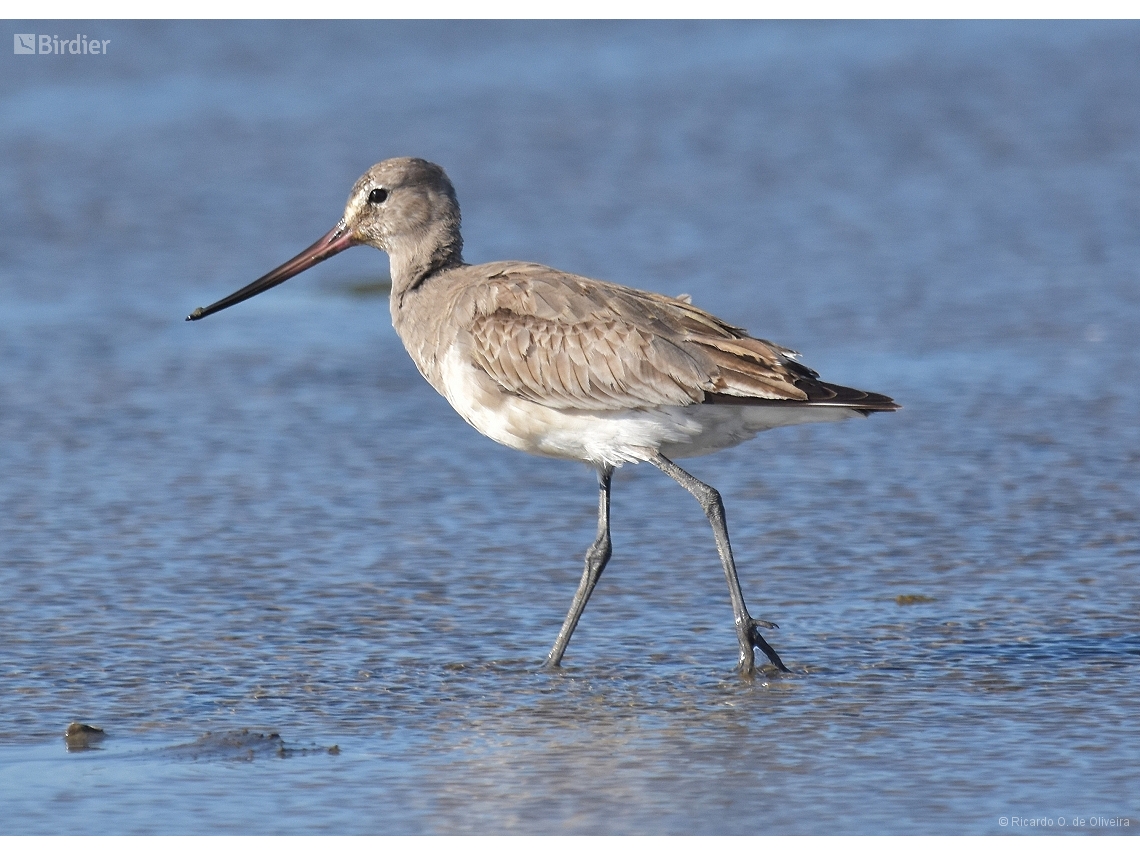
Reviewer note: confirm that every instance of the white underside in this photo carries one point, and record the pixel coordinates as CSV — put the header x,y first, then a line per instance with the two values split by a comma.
x,y
611,437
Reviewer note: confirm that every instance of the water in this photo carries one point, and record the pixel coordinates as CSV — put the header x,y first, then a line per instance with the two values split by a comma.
x,y
267,523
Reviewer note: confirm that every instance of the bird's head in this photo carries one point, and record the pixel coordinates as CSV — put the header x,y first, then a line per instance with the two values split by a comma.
x,y
404,206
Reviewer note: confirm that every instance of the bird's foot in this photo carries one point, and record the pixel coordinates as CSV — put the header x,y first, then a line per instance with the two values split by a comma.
x,y
552,664
746,667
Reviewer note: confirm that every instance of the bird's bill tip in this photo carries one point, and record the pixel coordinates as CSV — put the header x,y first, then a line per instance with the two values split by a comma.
x,y
337,240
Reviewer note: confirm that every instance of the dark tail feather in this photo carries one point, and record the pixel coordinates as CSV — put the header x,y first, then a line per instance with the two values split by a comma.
x,y
819,394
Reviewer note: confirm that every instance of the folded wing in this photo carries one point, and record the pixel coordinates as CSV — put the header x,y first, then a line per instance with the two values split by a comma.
x,y
574,343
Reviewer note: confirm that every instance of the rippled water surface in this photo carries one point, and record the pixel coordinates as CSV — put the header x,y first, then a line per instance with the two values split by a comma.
x,y
299,594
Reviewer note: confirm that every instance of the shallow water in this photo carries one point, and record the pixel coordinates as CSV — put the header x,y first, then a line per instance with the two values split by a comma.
x,y
236,544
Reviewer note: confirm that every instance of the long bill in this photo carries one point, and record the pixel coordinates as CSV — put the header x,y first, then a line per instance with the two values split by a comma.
x,y
338,240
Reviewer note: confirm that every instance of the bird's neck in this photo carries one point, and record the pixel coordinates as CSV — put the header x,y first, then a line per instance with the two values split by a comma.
x,y
413,261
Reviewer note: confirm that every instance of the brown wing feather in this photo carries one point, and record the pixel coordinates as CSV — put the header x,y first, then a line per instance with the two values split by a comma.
x,y
589,365
574,343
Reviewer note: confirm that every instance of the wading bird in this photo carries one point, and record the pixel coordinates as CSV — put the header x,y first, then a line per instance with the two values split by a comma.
x,y
564,366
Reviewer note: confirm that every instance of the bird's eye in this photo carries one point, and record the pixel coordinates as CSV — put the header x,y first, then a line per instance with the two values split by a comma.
x,y
378,195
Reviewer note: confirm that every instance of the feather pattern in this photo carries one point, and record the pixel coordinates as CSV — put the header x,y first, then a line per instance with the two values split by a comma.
x,y
569,342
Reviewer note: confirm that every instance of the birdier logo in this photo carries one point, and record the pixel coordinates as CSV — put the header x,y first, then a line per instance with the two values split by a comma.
x,y
31,43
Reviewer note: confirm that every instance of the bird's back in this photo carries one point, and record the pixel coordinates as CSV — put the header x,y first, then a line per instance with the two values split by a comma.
x,y
570,342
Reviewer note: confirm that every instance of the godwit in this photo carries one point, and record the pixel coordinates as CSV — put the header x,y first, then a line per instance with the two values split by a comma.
x,y
564,366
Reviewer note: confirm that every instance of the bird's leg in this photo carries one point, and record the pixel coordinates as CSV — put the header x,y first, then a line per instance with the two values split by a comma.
x,y
596,557
747,627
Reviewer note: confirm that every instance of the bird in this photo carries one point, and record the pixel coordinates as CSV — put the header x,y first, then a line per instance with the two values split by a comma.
x,y
565,366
